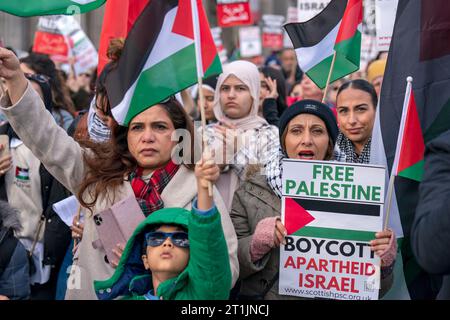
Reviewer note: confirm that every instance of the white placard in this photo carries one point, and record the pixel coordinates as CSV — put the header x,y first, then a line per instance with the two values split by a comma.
x,y
331,211
309,8
250,42
385,11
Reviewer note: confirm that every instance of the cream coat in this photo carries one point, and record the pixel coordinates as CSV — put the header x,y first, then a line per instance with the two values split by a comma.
x,y
63,158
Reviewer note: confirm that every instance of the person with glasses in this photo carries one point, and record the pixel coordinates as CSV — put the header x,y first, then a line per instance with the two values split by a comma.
x,y
175,254
141,159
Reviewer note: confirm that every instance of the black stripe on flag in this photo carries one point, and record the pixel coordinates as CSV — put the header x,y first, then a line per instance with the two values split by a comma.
x,y
138,46
311,32
361,209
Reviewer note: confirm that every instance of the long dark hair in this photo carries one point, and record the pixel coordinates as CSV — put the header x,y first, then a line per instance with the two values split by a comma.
x,y
360,84
109,162
42,64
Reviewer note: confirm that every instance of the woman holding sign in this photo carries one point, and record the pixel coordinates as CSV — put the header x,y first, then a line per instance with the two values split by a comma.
x,y
136,161
308,131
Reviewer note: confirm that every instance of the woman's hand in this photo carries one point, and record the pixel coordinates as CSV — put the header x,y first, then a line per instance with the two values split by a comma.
x,y
272,84
10,70
229,137
385,246
3,298
5,162
280,233
118,251
77,232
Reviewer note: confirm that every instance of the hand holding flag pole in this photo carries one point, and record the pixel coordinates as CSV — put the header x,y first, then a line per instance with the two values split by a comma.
x,y
200,72
395,166
329,77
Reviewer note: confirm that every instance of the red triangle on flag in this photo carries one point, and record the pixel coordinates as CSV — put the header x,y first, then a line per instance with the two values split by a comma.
x,y
413,146
295,216
183,25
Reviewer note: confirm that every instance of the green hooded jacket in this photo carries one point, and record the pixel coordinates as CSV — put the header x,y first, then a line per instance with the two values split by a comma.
x,y
206,277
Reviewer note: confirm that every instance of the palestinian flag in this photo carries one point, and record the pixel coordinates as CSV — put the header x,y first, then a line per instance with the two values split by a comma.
x,y
22,173
336,29
419,48
31,8
332,219
408,160
168,47
118,20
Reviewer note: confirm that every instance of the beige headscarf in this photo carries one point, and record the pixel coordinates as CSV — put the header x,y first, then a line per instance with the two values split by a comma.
x,y
248,73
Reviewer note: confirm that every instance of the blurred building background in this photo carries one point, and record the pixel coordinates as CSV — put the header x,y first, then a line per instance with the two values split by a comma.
x,y
19,32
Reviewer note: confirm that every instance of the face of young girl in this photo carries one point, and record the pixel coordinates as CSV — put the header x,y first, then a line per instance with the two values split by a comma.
x,y
235,98
166,258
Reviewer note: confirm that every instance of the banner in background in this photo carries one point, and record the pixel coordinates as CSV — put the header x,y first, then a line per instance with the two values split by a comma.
x,y
62,38
309,8
217,36
385,11
233,13
250,42
273,31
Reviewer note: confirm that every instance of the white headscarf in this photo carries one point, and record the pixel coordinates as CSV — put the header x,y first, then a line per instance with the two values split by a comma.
x,y
248,73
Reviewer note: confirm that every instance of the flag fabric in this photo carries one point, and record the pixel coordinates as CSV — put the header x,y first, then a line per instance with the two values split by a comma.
x,y
30,8
119,18
336,29
408,161
419,48
159,58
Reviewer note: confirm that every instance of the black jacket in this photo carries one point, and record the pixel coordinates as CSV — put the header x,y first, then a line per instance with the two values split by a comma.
x,y
430,235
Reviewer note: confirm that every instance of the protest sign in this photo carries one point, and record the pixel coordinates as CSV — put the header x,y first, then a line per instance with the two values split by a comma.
x,y
385,11
331,211
61,37
309,8
273,31
250,42
233,13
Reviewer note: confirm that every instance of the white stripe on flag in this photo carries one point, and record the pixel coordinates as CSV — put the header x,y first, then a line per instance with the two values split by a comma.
x,y
344,221
167,44
197,39
308,57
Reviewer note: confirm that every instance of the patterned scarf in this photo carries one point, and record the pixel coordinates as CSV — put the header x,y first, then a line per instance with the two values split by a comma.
x,y
148,194
344,151
274,170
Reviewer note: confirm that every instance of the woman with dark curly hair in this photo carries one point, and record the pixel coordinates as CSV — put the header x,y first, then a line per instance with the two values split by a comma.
x,y
138,160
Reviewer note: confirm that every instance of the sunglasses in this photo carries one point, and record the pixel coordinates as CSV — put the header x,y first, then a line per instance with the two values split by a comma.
x,y
157,238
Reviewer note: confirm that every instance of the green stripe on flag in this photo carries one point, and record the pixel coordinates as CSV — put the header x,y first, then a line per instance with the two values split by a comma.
x,y
214,68
348,54
339,234
413,172
30,8
171,75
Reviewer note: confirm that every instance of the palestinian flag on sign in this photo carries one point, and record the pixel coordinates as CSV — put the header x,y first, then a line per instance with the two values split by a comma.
x,y
22,173
335,29
331,219
160,57
30,8
419,48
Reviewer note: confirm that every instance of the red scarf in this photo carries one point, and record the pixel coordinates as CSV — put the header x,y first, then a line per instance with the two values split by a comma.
x,y
149,194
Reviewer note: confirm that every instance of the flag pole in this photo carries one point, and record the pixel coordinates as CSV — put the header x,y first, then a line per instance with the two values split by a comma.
x,y
397,152
329,77
199,63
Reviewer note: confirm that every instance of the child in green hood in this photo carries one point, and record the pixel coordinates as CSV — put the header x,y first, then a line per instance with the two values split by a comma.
x,y
175,254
